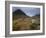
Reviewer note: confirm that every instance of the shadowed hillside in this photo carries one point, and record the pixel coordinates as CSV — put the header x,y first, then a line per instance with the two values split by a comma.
x,y
18,14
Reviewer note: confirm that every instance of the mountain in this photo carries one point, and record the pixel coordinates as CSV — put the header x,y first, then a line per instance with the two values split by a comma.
x,y
23,22
18,12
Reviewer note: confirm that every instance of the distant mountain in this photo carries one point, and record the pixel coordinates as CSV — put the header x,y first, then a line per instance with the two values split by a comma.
x,y
18,12
37,15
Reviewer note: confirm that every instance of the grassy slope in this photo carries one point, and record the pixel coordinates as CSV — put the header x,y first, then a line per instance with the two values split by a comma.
x,y
26,24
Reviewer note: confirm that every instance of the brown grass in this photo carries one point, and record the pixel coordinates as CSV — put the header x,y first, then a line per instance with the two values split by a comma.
x,y
25,24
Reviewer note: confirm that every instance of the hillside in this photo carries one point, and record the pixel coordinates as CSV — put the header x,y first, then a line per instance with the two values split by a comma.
x,y
23,22
18,14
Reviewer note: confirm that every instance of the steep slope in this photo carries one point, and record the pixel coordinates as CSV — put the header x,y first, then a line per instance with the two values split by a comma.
x,y
18,12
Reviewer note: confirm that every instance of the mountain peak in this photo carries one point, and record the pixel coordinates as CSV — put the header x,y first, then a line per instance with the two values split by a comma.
x,y
18,12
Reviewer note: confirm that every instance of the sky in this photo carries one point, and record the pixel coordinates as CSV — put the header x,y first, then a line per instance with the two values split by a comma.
x,y
29,11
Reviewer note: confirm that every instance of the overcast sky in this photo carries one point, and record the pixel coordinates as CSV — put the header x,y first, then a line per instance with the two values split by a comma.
x,y
29,11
